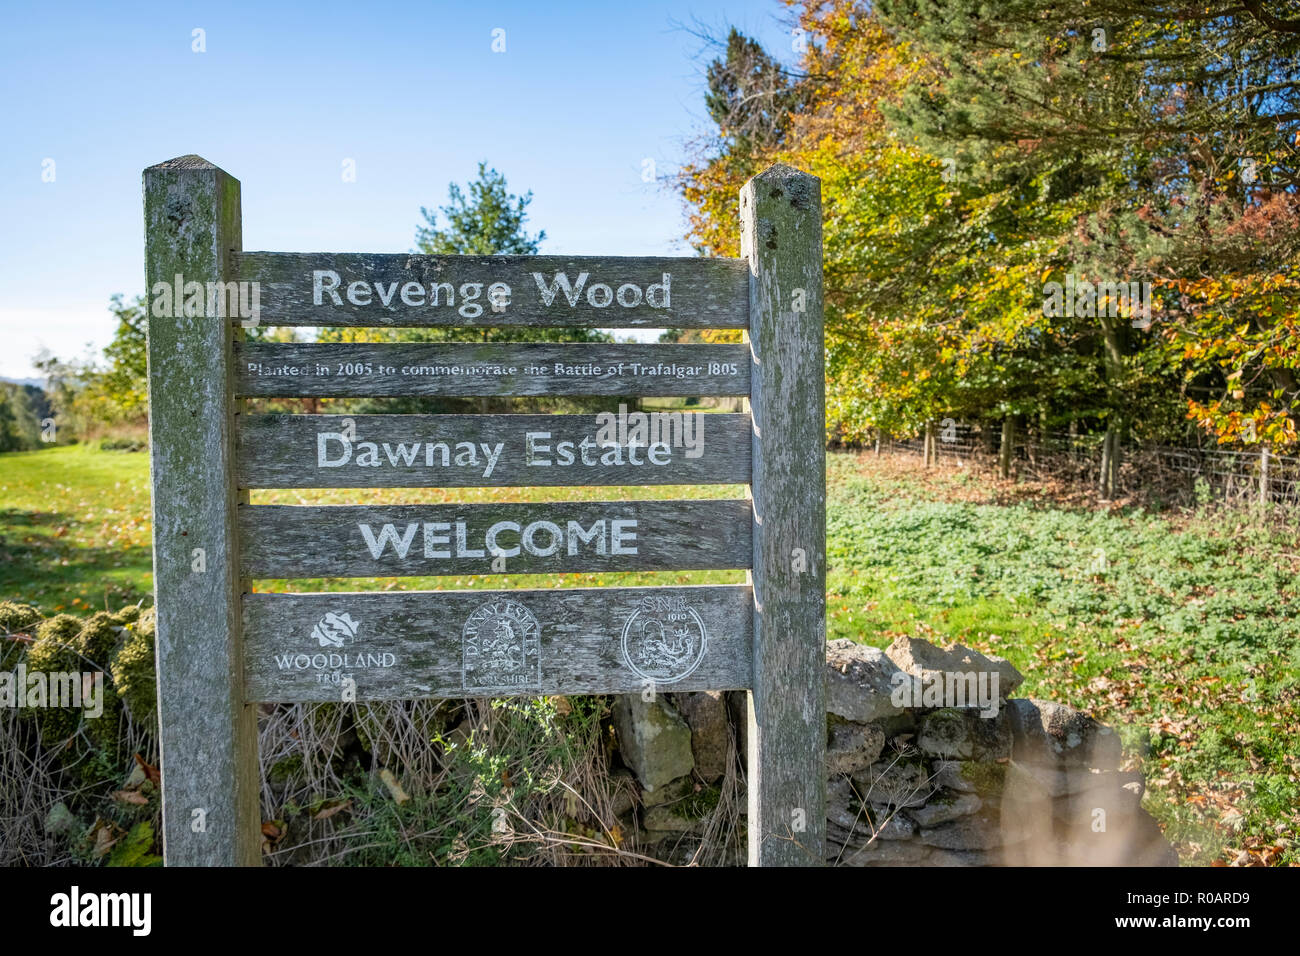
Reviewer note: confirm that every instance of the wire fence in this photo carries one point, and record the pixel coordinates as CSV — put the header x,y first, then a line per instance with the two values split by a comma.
x,y
1236,477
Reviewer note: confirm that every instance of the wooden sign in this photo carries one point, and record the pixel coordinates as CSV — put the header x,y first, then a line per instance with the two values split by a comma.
x,y
223,647
494,291
498,451
386,370
364,541
497,643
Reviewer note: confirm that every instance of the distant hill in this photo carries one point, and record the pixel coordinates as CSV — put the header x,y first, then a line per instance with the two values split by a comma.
x,y
29,382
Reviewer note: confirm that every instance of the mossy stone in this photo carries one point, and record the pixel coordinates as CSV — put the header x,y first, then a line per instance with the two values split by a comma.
x,y
15,619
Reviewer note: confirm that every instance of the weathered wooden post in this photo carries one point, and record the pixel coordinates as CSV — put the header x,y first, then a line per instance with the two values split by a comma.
x,y
208,735
781,237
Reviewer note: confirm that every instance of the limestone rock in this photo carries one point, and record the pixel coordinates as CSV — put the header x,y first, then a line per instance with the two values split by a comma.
x,y
838,836
968,833
899,782
623,788
853,747
842,806
876,853
664,819
859,681
705,712
893,826
1055,782
963,734
946,807
672,790
984,777
919,658
1055,735
655,742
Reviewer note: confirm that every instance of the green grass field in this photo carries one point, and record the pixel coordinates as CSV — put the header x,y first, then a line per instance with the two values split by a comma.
x,y
1180,631
74,528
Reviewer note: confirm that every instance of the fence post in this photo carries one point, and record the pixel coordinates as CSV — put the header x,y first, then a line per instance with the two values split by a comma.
x,y
207,735
781,236
1006,450
1263,478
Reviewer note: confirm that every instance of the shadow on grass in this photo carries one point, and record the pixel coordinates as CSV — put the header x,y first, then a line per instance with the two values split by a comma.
x,y
45,562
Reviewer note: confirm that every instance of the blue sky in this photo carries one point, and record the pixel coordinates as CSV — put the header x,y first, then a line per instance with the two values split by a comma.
x,y
411,92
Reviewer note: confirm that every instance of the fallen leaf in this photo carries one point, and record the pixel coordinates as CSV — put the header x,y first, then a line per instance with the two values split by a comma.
x,y
104,839
149,771
324,813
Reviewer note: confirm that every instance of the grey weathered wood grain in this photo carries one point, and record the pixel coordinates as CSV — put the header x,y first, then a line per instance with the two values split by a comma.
x,y
208,736
579,646
703,293
289,541
376,370
781,237
287,451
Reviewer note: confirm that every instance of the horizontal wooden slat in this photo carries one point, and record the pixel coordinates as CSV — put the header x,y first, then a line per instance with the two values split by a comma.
x,y
300,289
422,644
377,370
285,541
455,451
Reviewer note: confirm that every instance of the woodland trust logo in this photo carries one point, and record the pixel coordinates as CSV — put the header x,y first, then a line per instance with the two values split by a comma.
x,y
333,629
337,631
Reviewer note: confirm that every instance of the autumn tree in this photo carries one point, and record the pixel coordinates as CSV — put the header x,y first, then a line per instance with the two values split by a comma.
x,y
974,154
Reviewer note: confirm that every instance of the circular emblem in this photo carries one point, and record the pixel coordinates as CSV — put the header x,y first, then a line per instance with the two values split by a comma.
x,y
664,640
500,645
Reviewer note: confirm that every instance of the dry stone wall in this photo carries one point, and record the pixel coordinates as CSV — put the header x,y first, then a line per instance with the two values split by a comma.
x,y
929,761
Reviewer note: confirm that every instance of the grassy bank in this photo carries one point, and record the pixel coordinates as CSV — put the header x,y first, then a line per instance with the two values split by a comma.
x,y
1179,630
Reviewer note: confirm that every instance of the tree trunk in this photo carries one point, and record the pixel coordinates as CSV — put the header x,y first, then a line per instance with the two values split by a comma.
x,y
1104,473
1112,478
927,454
1008,443
1111,458
1113,358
